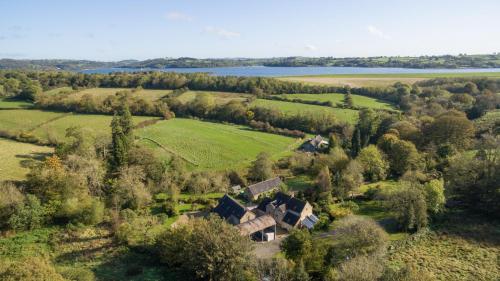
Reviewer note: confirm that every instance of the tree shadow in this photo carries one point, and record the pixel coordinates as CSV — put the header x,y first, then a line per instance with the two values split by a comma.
x,y
469,226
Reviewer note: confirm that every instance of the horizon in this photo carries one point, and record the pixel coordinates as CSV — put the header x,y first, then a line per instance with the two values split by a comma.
x,y
125,30
243,58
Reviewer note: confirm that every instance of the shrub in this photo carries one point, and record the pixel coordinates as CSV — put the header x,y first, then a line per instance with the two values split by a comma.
x,y
29,215
77,274
170,208
11,198
206,249
30,269
362,268
356,236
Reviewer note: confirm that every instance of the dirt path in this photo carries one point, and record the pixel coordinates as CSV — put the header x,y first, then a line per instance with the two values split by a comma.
x,y
267,250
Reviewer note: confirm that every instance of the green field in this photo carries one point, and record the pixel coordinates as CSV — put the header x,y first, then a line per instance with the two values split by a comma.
x,y
347,115
10,104
45,124
213,145
24,120
335,98
17,157
102,93
220,97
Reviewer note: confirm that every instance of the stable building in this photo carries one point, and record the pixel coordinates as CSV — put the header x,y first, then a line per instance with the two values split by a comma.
x,y
255,190
318,143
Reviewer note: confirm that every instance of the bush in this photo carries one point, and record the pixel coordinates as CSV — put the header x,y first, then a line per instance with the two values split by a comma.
x,y
351,205
362,268
29,215
30,269
137,231
10,200
170,208
337,212
206,249
77,274
356,236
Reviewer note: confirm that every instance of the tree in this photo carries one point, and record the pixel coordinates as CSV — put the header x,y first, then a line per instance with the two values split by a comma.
x,y
434,196
409,207
373,161
262,168
324,181
474,180
129,190
122,137
451,128
207,249
297,245
403,155
356,142
357,236
348,102
368,124
350,179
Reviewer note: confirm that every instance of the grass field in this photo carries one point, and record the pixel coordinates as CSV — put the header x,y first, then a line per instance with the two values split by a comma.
x,y
17,157
95,125
379,80
10,104
102,93
459,246
43,124
25,120
212,145
347,115
220,97
338,98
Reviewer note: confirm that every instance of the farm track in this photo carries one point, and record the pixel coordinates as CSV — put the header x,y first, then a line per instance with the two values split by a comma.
x,y
49,121
170,151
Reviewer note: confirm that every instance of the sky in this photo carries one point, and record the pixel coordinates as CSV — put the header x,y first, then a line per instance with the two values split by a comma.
x,y
111,30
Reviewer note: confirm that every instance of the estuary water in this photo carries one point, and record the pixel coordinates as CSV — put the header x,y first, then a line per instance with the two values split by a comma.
x,y
294,71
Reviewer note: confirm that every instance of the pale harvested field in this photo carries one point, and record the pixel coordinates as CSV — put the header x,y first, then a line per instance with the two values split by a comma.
x,y
354,81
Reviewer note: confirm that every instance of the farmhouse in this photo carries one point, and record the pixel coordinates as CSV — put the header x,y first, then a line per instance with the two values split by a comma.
x,y
232,211
255,190
314,144
289,212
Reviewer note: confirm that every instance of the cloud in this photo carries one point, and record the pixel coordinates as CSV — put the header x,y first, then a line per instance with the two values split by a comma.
x,y
177,16
311,47
223,33
377,32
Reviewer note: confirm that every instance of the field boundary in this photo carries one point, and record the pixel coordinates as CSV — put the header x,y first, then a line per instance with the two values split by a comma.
x,y
49,121
170,151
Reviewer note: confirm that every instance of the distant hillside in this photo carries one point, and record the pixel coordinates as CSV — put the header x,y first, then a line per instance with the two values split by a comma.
x,y
445,61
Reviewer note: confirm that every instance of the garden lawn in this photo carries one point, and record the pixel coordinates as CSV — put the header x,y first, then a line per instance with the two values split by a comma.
x,y
292,108
17,157
335,98
213,146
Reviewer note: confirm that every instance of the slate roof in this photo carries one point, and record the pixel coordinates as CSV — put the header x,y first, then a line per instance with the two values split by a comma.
x,y
258,188
229,206
263,204
291,218
295,205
